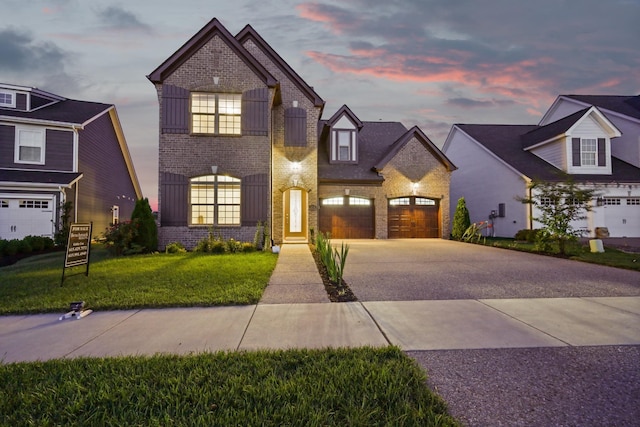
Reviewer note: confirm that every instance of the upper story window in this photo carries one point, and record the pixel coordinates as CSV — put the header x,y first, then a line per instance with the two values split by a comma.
x,y
343,147
588,151
215,200
30,145
7,99
216,113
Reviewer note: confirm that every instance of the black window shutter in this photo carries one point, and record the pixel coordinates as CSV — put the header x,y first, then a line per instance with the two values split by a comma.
x,y
174,199
255,112
575,151
175,109
254,199
295,127
602,152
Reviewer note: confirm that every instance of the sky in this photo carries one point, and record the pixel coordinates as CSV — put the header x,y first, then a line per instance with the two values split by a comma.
x,y
431,63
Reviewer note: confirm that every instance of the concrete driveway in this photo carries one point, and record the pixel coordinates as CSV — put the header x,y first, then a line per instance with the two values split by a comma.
x,y
435,269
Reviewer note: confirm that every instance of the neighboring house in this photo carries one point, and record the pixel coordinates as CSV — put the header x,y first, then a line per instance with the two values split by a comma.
x,y
595,140
55,150
242,142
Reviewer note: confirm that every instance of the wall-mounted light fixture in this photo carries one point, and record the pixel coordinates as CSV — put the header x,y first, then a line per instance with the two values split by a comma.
x,y
599,201
295,166
414,188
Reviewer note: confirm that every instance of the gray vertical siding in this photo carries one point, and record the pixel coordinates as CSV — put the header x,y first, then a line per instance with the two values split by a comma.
x,y
21,101
59,150
295,127
575,151
602,152
7,145
106,178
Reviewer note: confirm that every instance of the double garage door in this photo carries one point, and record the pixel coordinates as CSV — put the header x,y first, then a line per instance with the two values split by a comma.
x,y
353,218
20,217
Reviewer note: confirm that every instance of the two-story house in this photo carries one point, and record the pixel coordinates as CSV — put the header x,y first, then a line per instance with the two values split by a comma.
x,y
593,139
55,150
242,142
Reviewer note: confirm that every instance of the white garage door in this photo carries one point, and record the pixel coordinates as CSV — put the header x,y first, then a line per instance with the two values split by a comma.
x,y
20,217
622,216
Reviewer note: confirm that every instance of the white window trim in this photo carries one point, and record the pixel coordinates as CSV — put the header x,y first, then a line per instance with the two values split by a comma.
x,y
216,181
588,169
353,146
42,144
13,98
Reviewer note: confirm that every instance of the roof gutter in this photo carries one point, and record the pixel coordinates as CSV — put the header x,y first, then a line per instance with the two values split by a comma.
x,y
50,123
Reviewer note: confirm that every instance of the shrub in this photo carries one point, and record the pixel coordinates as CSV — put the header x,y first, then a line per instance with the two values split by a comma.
x,y
146,236
248,247
12,247
233,246
24,247
119,238
3,246
526,235
461,221
218,247
36,242
175,248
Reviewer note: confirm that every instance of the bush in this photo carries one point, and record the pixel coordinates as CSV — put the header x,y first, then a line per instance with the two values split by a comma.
x,y
119,238
12,247
248,247
62,235
175,248
527,235
36,242
3,245
461,221
233,246
146,236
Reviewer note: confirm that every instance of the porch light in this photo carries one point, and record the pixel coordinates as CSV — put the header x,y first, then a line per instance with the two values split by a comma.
x,y
295,166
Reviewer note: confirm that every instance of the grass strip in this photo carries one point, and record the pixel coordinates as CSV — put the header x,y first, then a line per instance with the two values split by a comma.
x,y
334,387
141,281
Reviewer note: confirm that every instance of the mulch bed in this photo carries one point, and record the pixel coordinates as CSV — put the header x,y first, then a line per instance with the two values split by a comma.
x,y
336,293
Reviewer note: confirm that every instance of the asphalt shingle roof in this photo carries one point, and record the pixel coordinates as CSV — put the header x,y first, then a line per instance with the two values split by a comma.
x,y
39,177
507,142
66,111
627,105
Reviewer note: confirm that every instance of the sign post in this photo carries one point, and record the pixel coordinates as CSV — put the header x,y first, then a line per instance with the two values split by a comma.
x,y
78,247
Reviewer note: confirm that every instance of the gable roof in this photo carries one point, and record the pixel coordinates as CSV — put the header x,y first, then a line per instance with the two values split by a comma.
x,y
213,28
344,111
506,142
248,33
67,112
414,132
18,178
374,141
563,126
626,105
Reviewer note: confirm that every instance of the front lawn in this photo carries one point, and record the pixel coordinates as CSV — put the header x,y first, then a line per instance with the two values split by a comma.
x,y
358,387
575,250
157,280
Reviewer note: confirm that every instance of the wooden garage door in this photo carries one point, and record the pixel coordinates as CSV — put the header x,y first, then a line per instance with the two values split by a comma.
x,y
413,217
347,217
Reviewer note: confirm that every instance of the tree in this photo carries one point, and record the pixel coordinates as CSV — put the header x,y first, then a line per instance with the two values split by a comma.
x,y
147,231
461,220
559,204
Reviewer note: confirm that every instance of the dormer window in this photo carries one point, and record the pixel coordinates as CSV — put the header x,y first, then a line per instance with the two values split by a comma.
x,y
7,99
588,151
344,142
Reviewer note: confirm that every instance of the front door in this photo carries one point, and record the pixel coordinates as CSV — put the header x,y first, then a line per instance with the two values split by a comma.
x,y
295,214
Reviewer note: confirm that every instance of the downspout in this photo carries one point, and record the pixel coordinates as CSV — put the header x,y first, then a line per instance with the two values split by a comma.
x,y
76,155
530,210
271,179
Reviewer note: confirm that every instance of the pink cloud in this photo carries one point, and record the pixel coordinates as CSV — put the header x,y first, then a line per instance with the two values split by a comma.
x,y
317,13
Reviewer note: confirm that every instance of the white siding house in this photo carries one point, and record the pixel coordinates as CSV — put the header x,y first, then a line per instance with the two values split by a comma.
x,y
497,162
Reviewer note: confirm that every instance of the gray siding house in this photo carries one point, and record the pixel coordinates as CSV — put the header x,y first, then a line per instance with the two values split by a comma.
x,y
242,142
55,150
593,139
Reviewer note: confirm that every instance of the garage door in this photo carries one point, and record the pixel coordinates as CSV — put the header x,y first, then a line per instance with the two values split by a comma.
x,y
347,217
24,217
413,217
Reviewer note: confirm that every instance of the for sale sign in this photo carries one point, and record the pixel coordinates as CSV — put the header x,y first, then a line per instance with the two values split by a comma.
x,y
78,247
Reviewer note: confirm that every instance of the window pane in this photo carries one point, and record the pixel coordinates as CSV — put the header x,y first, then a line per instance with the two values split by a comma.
x,y
359,201
229,104
228,194
333,201
29,154
202,214
228,214
203,103
588,151
402,201
203,123
230,125
425,202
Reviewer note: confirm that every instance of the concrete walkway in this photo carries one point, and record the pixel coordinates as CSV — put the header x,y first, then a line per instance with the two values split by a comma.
x,y
304,318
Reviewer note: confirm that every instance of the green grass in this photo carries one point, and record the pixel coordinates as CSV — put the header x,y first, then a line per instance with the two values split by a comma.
x,y
157,280
576,251
357,387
